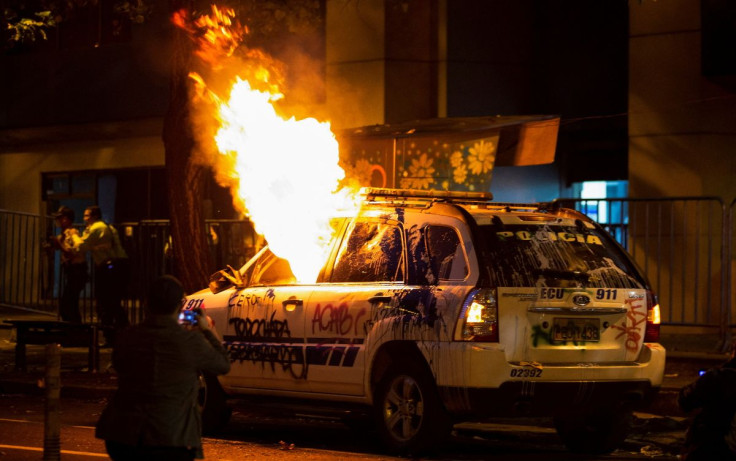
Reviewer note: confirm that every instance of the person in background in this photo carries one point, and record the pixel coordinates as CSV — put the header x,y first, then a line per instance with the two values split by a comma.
x,y
73,266
111,270
712,432
154,413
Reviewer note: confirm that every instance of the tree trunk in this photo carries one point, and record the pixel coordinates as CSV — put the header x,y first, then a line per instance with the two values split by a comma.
x,y
185,178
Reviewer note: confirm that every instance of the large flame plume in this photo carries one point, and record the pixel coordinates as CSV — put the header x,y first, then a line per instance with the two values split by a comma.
x,y
283,172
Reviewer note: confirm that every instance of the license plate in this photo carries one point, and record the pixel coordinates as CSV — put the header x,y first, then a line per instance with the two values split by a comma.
x,y
576,329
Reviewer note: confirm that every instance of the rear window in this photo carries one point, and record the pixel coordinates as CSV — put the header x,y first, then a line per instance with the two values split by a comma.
x,y
532,255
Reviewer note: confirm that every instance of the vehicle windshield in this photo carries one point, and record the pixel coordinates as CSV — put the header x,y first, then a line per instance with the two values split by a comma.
x,y
531,255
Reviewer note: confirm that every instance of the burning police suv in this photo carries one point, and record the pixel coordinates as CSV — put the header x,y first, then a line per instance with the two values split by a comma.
x,y
440,307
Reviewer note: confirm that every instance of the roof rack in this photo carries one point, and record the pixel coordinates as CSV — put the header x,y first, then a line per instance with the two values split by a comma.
x,y
519,206
374,193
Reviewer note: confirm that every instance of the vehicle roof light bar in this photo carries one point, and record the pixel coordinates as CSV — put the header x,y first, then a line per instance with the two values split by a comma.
x,y
373,193
482,200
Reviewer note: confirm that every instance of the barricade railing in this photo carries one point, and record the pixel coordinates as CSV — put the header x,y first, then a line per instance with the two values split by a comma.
x,y
31,275
26,277
149,244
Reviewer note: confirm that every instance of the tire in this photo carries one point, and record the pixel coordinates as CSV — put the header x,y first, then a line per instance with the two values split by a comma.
x,y
409,416
213,404
596,432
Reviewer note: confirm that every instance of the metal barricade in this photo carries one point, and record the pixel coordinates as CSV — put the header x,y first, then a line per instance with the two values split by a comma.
x,y
31,275
681,245
149,244
26,272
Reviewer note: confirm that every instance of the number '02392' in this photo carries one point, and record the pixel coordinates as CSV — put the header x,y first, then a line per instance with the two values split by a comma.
x,y
526,373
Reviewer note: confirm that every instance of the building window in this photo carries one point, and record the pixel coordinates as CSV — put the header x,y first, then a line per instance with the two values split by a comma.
x,y
606,203
718,44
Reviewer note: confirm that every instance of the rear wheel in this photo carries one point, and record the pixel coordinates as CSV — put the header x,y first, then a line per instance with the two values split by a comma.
x,y
213,403
600,431
409,415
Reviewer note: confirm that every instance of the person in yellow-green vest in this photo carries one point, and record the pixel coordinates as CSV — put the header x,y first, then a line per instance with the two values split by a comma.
x,y
111,270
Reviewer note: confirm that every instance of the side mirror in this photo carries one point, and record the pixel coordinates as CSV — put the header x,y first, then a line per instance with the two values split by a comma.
x,y
218,282
224,279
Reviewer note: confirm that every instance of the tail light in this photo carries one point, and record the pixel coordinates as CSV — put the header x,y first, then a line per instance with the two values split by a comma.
x,y
479,317
654,319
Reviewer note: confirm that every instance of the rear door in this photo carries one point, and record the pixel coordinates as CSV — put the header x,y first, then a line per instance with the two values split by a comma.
x,y
566,293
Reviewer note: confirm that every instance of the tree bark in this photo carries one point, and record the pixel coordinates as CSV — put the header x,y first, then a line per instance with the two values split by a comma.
x,y
185,177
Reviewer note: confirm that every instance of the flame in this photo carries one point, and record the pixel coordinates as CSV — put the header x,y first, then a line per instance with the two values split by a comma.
x,y
287,174
216,35
284,171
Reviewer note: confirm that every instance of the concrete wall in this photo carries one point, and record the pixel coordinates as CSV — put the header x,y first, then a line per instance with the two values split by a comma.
x,y
682,125
21,169
356,62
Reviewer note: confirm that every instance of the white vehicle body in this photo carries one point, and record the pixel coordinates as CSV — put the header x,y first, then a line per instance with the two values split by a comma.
x,y
442,285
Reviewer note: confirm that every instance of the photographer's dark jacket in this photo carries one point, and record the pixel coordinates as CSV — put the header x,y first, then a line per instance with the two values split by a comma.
x,y
157,363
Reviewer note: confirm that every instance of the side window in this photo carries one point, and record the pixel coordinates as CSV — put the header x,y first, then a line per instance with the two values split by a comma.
x,y
373,252
446,255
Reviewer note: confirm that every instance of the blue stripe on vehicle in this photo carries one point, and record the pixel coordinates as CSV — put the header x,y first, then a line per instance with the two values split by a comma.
x,y
350,355
336,357
317,355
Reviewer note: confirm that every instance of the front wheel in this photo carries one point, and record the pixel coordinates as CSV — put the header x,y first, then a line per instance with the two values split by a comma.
x,y
595,432
409,415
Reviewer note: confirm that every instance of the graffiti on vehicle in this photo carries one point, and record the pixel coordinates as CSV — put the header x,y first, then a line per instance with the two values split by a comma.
x,y
337,320
294,358
290,358
240,299
539,334
260,328
630,326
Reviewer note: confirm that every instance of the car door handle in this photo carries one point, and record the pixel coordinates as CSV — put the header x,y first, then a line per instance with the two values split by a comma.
x,y
379,298
292,303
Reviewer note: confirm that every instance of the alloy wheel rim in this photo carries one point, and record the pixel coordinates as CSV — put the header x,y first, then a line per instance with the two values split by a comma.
x,y
403,408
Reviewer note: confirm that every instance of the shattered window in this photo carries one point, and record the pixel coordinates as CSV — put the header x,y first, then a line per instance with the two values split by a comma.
x,y
560,256
372,253
446,255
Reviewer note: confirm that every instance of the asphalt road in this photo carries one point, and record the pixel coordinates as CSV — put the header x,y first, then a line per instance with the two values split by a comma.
x,y
256,436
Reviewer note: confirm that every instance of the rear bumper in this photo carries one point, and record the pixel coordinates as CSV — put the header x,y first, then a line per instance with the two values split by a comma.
x,y
540,398
483,383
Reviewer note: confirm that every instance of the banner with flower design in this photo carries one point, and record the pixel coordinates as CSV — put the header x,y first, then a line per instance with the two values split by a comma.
x,y
424,163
